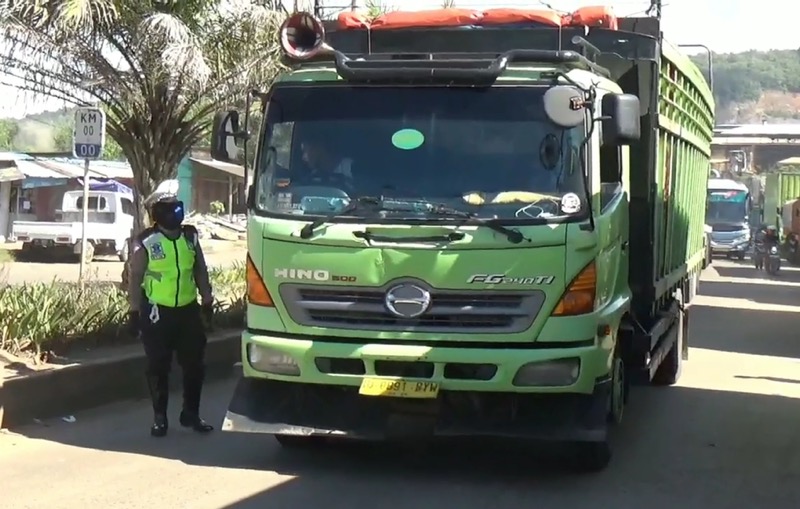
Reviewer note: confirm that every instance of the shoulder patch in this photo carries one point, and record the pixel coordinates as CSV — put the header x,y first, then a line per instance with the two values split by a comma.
x,y
156,251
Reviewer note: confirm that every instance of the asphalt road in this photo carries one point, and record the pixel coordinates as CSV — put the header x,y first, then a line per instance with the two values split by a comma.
x,y
727,437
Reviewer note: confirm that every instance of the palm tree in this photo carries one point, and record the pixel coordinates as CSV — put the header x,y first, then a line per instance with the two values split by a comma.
x,y
158,67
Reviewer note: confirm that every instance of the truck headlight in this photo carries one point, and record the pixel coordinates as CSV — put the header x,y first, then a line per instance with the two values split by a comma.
x,y
556,373
273,361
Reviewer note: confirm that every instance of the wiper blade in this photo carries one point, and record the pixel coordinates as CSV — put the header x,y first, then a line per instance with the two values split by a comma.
x,y
374,204
513,236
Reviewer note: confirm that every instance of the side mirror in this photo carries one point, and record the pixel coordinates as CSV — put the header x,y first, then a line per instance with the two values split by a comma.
x,y
621,119
224,132
565,106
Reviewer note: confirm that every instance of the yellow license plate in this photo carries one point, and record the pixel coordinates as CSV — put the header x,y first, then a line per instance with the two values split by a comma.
x,y
397,388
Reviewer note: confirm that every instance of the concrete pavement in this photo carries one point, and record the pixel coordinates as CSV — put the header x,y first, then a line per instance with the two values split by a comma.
x,y
727,437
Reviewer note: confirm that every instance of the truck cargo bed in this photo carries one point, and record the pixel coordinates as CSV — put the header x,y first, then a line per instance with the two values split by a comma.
x,y
669,166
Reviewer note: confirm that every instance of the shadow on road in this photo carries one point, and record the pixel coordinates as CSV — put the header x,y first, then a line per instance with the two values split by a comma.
x,y
747,271
770,378
756,332
764,293
679,446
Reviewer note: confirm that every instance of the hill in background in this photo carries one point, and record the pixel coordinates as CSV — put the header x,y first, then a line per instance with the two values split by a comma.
x,y
756,86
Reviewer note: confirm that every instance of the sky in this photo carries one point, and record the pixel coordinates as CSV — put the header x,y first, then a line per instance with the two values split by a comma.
x,y
723,25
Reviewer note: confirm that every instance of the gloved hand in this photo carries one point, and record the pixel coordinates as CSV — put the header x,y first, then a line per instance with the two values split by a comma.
x,y
207,311
133,323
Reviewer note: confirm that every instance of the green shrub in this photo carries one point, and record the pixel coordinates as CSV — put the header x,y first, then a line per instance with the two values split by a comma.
x,y
41,317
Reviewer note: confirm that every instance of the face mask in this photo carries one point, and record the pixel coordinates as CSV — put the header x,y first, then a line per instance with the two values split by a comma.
x,y
168,215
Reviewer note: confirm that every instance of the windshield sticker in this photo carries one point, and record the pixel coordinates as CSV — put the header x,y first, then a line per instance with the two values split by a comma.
x,y
408,139
570,203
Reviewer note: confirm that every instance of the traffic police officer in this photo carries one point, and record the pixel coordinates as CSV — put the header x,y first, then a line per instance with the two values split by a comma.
x,y
167,270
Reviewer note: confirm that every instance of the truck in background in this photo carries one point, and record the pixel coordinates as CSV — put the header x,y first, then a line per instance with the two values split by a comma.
x,y
728,215
782,209
110,221
515,239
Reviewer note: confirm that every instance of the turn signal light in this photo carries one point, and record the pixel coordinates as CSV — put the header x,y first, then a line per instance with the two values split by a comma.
x,y
578,298
257,292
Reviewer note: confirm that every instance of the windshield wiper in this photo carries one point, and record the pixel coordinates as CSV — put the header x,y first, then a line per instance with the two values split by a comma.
x,y
374,204
513,236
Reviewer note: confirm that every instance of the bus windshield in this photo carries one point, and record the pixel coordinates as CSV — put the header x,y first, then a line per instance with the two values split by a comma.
x,y
490,153
727,206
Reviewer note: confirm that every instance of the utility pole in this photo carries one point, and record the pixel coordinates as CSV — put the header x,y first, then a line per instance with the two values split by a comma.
x,y
655,8
318,8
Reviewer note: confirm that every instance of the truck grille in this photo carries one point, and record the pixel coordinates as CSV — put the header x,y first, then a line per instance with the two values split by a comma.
x,y
340,307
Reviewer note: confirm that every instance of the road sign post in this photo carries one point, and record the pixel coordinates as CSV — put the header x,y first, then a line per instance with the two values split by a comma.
x,y
88,139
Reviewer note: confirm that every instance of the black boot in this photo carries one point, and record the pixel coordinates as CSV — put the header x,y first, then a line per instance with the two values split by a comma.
x,y
190,420
159,395
160,426
192,389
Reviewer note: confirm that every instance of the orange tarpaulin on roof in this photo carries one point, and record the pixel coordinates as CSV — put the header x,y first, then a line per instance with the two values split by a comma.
x,y
594,16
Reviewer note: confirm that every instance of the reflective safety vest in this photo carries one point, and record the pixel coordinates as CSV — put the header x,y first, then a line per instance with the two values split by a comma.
x,y
169,278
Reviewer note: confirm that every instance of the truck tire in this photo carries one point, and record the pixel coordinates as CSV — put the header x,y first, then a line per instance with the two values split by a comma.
x,y
669,372
592,457
300,441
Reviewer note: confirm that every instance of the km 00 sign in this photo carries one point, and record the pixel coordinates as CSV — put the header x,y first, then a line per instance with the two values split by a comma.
x,y
89,135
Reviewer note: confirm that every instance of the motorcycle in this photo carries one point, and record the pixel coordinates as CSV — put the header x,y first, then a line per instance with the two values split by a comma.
x,y
772,263
767,257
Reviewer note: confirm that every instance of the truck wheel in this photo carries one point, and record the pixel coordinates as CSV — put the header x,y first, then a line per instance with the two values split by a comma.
x,y
619,391
591,457
671,367
299,441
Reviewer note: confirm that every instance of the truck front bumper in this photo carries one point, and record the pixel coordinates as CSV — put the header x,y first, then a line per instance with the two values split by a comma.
x,y
321,403
285,408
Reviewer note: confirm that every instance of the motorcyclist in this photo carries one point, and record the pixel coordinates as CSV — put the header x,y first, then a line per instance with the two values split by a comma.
x,y
766,238
167,271
770,236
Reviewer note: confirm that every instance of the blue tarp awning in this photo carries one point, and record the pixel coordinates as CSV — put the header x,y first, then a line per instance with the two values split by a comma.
x,y
99,184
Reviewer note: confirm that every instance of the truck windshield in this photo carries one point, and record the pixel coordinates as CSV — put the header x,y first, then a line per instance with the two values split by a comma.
x,y
487,152
726,206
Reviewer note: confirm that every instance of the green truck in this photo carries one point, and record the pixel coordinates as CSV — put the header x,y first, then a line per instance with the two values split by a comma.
x,y
781,194
492,231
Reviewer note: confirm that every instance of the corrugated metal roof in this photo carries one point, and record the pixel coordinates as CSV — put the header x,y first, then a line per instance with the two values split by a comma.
x,y
776,130
13,156
231,169
101,169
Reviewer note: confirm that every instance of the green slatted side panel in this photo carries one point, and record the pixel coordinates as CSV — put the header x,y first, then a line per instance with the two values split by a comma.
x,y
686,124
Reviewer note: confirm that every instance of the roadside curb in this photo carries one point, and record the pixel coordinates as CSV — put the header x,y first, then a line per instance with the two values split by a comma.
x,y
64,391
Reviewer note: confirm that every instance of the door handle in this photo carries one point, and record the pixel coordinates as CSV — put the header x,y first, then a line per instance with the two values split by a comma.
x,y
624,245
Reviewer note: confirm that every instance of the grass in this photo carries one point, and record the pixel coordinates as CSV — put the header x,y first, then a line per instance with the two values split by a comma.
x,y
41,319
